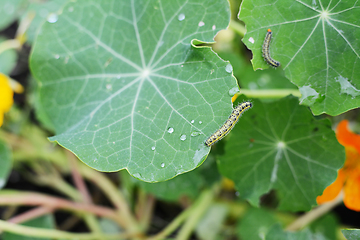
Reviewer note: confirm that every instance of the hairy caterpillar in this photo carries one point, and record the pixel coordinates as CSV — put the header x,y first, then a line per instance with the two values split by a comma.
x,y
229,124
266,50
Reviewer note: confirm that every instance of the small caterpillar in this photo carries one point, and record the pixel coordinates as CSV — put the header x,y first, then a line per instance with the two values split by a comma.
x,y
229,124
266,50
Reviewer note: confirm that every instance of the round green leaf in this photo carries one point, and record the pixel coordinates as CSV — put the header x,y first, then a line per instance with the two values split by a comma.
x,y
10,10
316,42
8,60
124,87
281,146
42,10
188,184
351,234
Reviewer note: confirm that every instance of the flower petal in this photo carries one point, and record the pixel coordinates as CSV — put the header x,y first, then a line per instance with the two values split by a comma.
x,y
333,189
352,192
6,94
346,137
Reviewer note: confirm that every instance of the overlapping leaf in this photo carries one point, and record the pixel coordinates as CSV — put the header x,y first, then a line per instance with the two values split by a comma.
x,y
124,87
10,10
351,234
317,43
281,146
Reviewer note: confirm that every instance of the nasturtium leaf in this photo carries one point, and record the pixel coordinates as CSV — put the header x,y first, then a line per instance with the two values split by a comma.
x,y
351,234
125,88
276,233
281,146
5,163
46,222
255,224
188,184
10,10
326,225
41,10
8,59
317,44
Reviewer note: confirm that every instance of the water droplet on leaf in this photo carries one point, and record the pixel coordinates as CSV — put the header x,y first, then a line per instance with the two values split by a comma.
x,y
181,17
52,18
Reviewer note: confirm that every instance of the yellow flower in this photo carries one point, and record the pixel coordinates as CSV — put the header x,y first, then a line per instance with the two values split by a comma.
x,y
7,88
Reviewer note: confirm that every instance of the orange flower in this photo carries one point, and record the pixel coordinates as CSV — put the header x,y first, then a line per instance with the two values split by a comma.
x,y
348,178
7,88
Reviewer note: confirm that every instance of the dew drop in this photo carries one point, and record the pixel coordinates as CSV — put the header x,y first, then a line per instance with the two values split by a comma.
x,y
170,130
201,23
108,86
57,56
183,137
70,9
194,134
228,68
200,122
251,40
213,27
237,194
52,18
153,148
192,121
162,165
118,77
181,17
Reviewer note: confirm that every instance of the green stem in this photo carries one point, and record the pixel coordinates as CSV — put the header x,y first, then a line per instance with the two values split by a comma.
x,y
79,182
269,93
56,234
9,44
237,27
315,213
174,224
114,195
201,205
16,198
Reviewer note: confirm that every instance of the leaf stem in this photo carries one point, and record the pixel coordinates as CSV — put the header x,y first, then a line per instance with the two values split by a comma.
x,y
201,205
237,27
269,93
9,44
114,195
314,214
56,234
15,198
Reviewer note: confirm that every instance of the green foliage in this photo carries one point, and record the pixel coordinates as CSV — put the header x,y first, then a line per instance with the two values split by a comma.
x,y
46,222
351,234
188,184
10,10
284,149
7,60
5,163
132,94
276,233
255,224
317,45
